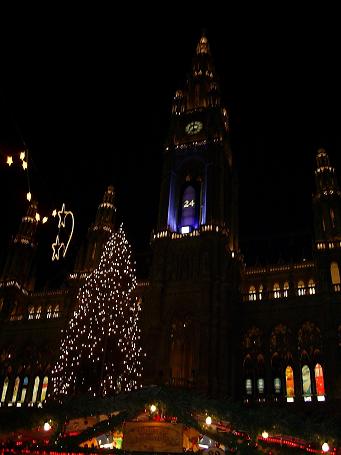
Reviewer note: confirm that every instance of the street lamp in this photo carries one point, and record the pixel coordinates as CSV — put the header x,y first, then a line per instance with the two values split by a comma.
x,y
325,447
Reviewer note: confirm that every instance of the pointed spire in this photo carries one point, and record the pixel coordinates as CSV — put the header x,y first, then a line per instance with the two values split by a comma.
x,y
202,90
326,181
106,210
28,226
203,46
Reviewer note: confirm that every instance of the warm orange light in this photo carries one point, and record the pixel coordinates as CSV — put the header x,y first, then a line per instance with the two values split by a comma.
x,y
9,160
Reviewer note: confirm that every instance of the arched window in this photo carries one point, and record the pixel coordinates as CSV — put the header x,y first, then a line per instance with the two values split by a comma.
x,y
311,286
35,389
301,288
277,385
31,312
306,383
189,210
248,386
49,312
277,291
38,313
15,313
286,289
4,390
252,293
319,382
44,388
24,389
260,374
15,390
56,311
289,383
335,275
260,292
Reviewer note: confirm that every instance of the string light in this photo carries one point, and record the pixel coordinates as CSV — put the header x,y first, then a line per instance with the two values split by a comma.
x,y
100,353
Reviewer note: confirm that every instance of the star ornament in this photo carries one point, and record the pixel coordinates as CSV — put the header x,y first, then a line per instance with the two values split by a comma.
x,y
56,248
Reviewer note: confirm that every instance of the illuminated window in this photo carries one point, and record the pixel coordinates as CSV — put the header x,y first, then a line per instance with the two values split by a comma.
x,y
56,311
319,382
4,390
260,385
277,291
277,385
15,390
248,386
31,312
286,289
1,303
44,388
252,293
289,383
332,217
301,288
24,389
306,383
35,389
335,273
260,292
323,225
311,286
189,208
38,313
49,312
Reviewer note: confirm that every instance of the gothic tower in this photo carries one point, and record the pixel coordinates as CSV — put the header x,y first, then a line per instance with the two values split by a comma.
x,y
327,223
19,264
190,315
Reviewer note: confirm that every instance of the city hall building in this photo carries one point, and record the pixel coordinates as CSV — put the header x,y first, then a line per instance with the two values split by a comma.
x,y
269,333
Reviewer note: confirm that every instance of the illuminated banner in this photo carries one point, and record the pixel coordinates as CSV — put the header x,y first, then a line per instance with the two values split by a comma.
x,y
153,437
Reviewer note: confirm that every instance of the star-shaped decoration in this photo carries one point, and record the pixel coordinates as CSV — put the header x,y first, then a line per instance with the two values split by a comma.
x,y
62,213
56,247
9,160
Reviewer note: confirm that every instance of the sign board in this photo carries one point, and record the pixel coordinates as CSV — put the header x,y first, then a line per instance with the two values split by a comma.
x,y
153,437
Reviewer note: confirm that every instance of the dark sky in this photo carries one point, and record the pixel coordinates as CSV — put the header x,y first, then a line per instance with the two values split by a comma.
x,y
90,90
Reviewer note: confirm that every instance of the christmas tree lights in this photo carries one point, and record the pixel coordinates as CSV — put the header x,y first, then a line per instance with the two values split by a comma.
x,y
100,352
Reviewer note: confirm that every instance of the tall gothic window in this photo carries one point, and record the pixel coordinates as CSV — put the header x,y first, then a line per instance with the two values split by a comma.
x,y
16,389
289,383
277,291
286,289
44,388
4,390
189,216
306,383
24,389
35,389
252,293
301,288
319,382
181,355
311,286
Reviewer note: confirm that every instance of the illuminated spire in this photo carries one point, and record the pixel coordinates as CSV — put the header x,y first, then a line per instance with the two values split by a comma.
x,y
326,200
325,178
20,257
202,90
98,234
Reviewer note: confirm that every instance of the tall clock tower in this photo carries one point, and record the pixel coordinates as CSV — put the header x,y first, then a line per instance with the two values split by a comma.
x,y
190,318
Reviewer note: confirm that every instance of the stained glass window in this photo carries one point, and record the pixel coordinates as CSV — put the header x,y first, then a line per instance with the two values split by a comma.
x,y
319,381
260,385
15,390
306,383
248,386
289,383
24,389
4,390
35,389
277,385
44,388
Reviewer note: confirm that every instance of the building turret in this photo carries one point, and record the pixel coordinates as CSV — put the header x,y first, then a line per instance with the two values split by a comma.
x,y
98,234
326,201
20,259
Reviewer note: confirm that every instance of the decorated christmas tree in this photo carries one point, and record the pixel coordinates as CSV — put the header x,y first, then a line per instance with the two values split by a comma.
x,y
100,352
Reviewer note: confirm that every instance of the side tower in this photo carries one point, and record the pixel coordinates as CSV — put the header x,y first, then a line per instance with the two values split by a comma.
x,y
189,319
327,223
20,259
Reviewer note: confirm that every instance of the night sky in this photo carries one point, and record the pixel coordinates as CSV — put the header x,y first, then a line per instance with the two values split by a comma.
x,y
90,92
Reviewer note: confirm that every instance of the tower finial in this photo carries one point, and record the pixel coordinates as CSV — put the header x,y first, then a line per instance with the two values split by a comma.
x,y
203,46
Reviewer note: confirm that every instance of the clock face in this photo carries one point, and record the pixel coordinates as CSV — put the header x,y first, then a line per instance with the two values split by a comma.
x,y
193,127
